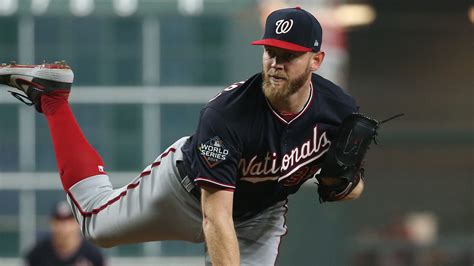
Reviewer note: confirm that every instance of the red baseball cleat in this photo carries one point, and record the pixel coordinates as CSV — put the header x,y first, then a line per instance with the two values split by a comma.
x,y
36,80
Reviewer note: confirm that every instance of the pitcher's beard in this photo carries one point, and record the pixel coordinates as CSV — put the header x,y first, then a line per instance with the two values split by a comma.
x,y
279,93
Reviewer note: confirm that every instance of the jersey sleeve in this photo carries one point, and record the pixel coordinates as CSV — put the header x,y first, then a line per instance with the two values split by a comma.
x,y
217,151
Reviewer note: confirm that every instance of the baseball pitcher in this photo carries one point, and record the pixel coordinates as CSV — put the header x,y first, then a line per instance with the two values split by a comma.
x,y
256,143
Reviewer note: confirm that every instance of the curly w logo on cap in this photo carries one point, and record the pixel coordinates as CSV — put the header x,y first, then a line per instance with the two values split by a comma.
x,y
283,26
292,29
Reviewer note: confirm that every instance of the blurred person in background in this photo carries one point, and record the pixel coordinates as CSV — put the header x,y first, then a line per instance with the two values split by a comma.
x,y
65,246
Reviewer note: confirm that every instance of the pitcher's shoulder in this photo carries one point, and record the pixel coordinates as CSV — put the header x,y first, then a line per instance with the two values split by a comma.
x,y
239,95
331,91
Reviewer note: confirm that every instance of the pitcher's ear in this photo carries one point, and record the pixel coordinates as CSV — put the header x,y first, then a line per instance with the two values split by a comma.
x,y
316,60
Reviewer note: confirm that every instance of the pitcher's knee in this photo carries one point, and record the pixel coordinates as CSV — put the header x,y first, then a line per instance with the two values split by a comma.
x,y
99,241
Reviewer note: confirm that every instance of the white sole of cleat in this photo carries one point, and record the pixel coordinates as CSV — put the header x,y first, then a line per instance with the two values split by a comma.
x,y
64,75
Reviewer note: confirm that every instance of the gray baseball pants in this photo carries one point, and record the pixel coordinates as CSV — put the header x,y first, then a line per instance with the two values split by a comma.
x,y
155,206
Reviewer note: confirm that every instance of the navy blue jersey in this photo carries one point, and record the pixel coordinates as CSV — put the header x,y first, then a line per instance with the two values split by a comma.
x,y
244,145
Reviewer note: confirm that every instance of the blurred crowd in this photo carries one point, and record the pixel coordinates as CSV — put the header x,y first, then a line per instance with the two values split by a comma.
x,y
410,240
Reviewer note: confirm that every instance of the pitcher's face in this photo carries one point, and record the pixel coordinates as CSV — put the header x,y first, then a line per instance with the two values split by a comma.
x,y
284,71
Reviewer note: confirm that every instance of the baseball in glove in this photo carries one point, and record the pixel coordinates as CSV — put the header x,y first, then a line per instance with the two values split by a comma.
x,y
343,167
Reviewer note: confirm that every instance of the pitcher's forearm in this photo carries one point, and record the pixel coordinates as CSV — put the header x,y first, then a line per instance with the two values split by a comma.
x,y
221,241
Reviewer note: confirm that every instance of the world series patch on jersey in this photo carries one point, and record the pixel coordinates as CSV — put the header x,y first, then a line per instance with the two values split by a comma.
x,y
243,144
213,151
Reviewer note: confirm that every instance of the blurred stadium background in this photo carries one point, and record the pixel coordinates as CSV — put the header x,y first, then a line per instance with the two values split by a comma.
x,y
144,68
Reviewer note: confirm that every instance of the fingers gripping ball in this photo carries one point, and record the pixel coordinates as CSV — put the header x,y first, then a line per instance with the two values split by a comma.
x,y
343,167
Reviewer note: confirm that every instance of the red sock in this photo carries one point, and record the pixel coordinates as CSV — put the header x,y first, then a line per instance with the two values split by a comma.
x,y
75,157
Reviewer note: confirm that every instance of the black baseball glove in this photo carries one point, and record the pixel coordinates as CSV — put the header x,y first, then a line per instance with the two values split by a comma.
x,y
343,167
